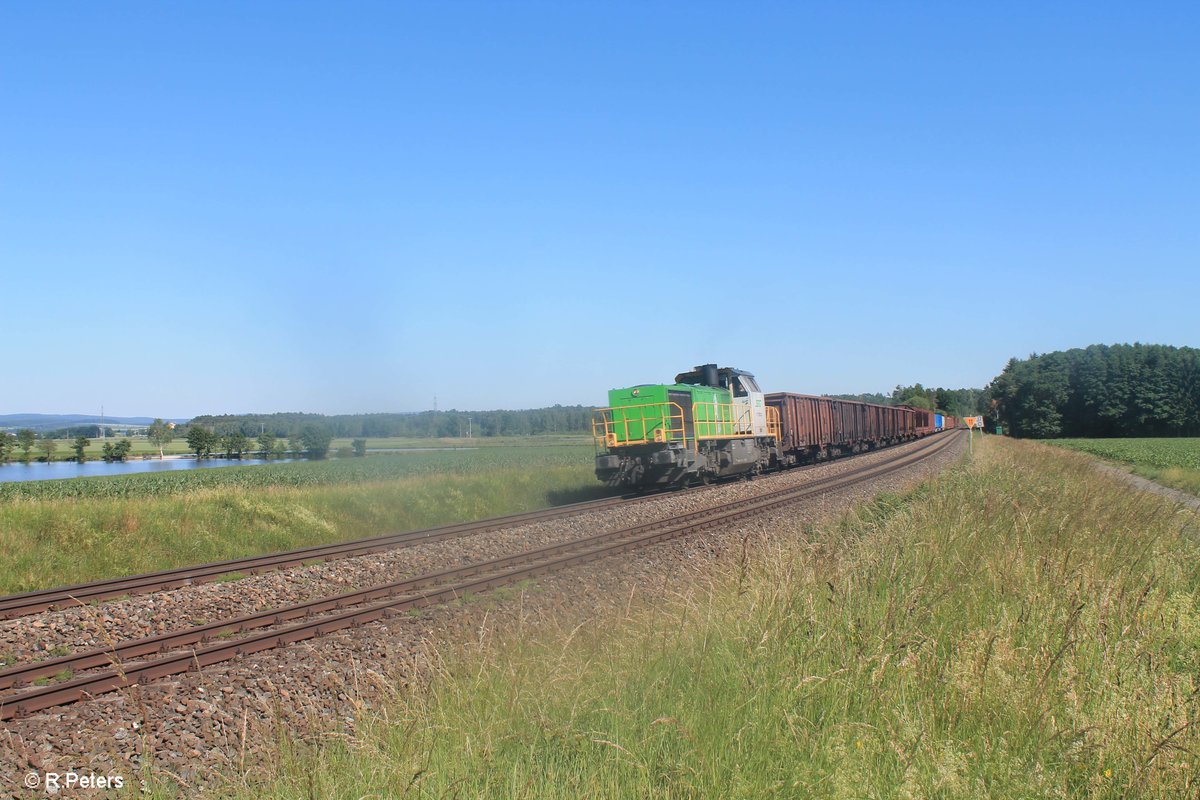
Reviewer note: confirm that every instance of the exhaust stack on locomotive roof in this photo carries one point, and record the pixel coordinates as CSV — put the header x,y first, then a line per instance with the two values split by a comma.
x,y
738,381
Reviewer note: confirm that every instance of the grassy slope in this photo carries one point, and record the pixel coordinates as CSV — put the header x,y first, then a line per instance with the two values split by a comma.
x,y
1024,628
1172,462
51,542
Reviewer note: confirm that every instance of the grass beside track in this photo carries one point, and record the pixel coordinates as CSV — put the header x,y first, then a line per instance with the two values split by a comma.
x,y
1025,627
108,527
1172,462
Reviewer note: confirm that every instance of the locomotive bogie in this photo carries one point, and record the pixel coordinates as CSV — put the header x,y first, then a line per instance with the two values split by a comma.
x,y
673,464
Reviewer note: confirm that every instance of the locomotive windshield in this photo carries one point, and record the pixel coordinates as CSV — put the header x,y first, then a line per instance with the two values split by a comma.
x,y
739,382
743,385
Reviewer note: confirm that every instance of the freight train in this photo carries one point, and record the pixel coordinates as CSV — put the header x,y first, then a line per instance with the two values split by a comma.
x,y
716,423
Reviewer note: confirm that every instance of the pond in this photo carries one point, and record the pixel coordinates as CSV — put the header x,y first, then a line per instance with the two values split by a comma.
x,y
37,471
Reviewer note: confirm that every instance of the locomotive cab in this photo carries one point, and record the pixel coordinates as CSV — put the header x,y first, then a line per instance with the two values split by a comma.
x,y
744,394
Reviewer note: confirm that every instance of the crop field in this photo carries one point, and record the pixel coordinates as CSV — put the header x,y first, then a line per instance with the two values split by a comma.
x,y
71,531
1173,462
301,473
1021,627
1160,453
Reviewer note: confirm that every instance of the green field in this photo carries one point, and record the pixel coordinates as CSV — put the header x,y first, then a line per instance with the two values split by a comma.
x,y
297,474
70,531
1172,462
1025,627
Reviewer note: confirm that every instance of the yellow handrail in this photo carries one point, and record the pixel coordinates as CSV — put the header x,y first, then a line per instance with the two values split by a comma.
x,y
731,421
665,422
637,425
722,420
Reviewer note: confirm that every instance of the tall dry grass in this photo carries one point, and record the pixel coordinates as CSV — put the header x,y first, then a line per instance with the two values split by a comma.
x,y
1021,628
49,542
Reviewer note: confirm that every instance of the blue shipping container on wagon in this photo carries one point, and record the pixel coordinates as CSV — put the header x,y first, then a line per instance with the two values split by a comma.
x,y
939,422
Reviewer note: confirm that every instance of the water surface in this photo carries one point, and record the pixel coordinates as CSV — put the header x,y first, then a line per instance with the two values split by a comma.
x,y
37,471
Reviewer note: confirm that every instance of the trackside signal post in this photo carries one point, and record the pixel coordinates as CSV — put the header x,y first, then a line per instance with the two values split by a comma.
x,y
972,423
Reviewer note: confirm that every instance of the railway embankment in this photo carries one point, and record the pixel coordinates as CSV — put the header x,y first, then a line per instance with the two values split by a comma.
x,y
1023,626
229,716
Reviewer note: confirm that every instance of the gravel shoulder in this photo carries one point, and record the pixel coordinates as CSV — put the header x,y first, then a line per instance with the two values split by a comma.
x,y
226,717
1146,485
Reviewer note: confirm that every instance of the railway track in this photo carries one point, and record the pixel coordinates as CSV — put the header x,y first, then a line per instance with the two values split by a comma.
x,y
19,605
26,603
129,663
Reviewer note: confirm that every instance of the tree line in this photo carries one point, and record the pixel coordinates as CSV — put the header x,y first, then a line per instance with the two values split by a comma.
x,y
311,441
1097,391
1100,391
957,402
447,424
26,439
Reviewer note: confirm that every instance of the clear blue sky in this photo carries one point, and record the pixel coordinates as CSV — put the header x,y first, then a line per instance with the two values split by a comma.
x,y
341,207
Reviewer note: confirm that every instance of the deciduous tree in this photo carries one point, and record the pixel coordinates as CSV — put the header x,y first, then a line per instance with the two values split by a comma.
x,y
316,440
26,439
161,434
235,444
80,447
200,440
116,451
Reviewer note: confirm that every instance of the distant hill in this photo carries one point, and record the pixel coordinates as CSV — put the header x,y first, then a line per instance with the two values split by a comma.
x,y
50,422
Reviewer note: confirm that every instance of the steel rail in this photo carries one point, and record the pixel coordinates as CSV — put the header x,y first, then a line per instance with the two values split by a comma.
x,y
18,605
23,674
26,603
545,559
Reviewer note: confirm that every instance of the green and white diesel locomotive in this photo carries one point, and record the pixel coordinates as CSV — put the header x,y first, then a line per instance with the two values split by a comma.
x,y
715,423
711,423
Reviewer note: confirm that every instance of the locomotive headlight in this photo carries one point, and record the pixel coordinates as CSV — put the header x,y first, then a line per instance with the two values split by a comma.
x,y
636,392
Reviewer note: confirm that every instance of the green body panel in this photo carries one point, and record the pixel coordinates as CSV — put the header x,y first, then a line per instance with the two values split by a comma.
x,y
712,414
638,411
